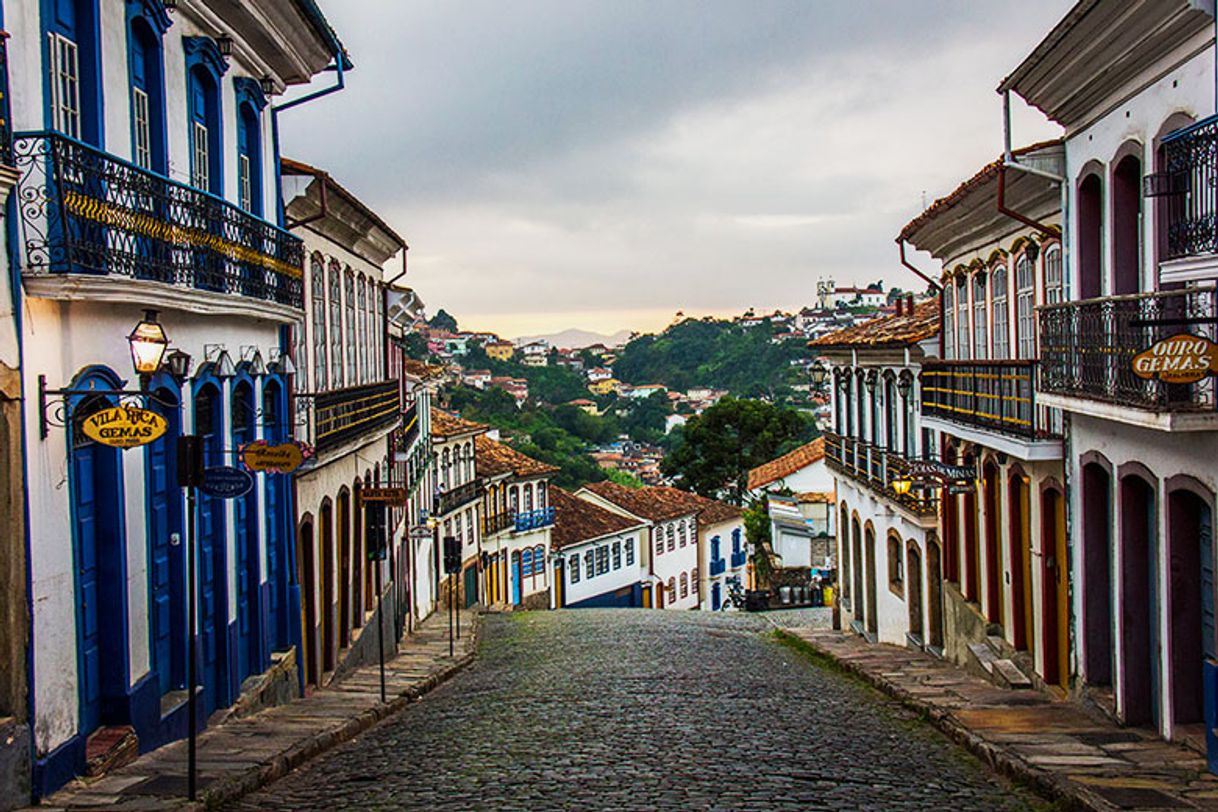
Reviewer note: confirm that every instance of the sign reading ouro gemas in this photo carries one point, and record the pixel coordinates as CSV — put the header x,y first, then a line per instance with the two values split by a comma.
x,y
1182,358
124,426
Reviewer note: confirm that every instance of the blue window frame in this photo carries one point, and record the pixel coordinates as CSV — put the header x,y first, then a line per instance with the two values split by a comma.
x,y
204,69
736,540
146,24
539,559
714,556
629,552
72,78
250,104
526,563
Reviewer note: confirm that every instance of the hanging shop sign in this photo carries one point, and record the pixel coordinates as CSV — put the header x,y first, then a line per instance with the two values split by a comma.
x,y
933,474
283,458
226,482
392,496
421,532
124,426
1182,358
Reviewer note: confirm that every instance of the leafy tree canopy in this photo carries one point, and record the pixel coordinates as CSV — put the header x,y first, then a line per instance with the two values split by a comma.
x,y
443,321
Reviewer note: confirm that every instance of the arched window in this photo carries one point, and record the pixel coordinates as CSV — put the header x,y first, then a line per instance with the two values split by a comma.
x,y
693,580
681,534
541,494
365,350
589,565
684,585
204,67
1001,323
1053,276
1127,226
249,159
672,538
318,273
539,559
378,330
981,331
617,555
573,568
714,549
896,565
147,91
526,562
444,475
629,552
659,541
1025,306
349,296
844,554
962,337
890,411
672,588
949,322
336,326
1090,236
73,60
514,499
528,497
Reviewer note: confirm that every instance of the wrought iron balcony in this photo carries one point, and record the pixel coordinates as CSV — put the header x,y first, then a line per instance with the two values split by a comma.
x,y
739,559
534,519
717,567
457,497
877,469
497,523
1189,188
341,415
84,211
1087,348
997,396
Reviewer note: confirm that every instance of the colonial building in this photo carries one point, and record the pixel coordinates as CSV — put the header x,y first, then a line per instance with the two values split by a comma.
x,y
598,555
1005,595
671,522
722,548
889,555
798,487
1132,84
346,409
457,499
516,521
145,144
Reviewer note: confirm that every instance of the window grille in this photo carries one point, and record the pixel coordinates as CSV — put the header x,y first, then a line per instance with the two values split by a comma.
x,y
200,167
65,85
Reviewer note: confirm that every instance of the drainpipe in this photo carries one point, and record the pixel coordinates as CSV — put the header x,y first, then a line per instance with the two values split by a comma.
x,y
1009,162
338,85
934,285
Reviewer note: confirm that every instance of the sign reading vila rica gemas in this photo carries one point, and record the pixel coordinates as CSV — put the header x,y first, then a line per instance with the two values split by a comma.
x,y
1182,358
124,426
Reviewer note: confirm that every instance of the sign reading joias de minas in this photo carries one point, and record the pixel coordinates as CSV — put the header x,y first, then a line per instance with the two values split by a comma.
x,y
124,426
1182,358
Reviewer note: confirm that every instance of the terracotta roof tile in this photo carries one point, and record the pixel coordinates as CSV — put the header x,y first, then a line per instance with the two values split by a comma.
x,y
577,520
654,504
890,331
787,464
492,457
447,424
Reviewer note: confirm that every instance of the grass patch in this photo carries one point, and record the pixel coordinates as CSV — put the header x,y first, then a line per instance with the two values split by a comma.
x,y
806,651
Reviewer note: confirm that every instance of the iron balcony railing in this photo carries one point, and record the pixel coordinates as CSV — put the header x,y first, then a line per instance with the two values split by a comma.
x,y
718,567
534,519
877,469
342,415
1087,348
497,523
739,559
84,211
1188,187
457,497
997,396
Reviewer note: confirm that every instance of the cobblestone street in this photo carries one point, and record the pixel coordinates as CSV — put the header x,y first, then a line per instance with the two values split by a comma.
x,y
644,710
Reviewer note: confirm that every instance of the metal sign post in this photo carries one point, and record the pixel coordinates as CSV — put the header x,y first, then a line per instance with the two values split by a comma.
x,y
375,530
452,565
190,476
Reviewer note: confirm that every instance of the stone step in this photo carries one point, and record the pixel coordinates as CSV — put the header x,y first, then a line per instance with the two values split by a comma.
x,y
1008,675
984,655
997,645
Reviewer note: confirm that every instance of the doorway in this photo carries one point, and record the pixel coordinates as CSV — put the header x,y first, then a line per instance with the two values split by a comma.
x,y
1139,691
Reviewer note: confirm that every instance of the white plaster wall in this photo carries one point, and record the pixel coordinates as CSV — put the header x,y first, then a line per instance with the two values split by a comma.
x,y
610,581
724,531
679,560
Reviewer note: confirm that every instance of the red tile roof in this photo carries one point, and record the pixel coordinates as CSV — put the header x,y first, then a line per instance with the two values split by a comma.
x,y
577,520
710,511
447,424
890,331
787,464
492,457
654,504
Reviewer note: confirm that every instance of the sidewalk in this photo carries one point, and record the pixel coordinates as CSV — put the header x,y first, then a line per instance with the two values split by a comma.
x,y
239,756
1084,760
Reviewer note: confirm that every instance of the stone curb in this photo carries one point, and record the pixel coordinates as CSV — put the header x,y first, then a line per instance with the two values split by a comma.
x,y
996,757
231,789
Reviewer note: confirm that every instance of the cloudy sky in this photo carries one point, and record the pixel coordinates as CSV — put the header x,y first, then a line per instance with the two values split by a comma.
x,y
603,164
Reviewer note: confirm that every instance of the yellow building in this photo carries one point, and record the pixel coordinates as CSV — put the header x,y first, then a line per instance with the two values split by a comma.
x,y
604,387
500,350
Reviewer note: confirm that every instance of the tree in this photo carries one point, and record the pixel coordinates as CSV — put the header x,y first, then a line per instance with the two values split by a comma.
x,y
719,447
443,321
415,346
623,478
757,530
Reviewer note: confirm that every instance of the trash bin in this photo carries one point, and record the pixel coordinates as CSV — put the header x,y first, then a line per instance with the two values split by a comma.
x,y
785,594
826,595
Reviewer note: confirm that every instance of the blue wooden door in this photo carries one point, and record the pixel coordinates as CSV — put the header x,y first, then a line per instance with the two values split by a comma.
x,y
516,578
248,654
100,582
716,597
167,581
213,579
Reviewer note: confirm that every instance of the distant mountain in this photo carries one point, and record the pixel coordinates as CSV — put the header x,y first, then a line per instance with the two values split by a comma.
x,y
577,339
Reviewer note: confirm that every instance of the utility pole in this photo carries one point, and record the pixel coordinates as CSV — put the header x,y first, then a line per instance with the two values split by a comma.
x,y
190,476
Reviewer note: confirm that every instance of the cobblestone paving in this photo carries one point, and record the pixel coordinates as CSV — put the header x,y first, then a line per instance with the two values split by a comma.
x,y
632,709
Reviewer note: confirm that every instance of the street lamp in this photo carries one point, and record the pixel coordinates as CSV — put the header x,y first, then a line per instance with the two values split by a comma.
x,y
819,373
905,383
224,44
902,486
178,364
148,344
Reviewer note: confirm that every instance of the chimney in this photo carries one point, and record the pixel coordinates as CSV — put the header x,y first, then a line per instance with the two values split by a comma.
x,y
909,305
900,306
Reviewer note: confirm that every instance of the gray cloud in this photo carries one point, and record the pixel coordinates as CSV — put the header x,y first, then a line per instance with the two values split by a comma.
x,y
570,155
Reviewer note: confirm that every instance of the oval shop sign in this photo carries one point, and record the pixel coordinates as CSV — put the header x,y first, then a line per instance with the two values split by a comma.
x,y
226,482
124,426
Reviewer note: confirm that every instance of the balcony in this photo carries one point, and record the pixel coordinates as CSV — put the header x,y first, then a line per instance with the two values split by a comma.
x,y
91,215
717,567
992,403
877,469
739,559
458,497
497,523
1088,349
1190,205
343,415
534,519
